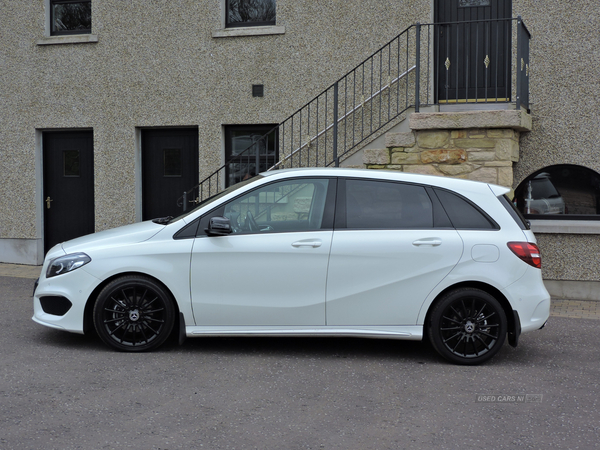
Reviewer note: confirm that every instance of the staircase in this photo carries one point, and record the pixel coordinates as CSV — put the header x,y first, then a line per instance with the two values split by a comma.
x,y
357,109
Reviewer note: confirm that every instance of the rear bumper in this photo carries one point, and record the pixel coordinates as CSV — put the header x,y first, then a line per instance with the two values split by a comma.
x,y
530,300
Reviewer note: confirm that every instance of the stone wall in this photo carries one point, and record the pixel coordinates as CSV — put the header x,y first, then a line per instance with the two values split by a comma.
x,y
477,150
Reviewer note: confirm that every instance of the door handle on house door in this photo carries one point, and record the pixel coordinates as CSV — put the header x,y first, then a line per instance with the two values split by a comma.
x,y
48,200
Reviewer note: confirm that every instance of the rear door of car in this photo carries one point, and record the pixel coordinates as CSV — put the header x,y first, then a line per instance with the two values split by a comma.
x,y
391,246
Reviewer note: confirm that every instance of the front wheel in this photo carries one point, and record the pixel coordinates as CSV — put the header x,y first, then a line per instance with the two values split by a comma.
x,y
467,326
134,313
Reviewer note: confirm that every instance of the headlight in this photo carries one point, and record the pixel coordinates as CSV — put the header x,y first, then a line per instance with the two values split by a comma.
x,y
67,263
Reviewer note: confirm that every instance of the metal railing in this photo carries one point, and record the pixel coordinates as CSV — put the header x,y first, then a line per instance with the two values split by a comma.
x,y
395,78
476,62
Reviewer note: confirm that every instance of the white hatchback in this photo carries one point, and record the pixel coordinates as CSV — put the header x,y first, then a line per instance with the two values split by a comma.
x,y
310,252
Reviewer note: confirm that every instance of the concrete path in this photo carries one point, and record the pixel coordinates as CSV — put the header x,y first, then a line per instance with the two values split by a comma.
x,y
577,309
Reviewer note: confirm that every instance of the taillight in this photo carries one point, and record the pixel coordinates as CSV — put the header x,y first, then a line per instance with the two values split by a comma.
x,y
528,252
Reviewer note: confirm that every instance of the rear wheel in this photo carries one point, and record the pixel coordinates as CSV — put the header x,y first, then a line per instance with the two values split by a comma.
x,y
467,326
134,313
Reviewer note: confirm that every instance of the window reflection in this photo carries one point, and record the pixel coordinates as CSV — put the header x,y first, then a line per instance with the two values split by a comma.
x,y
71,17
249,150
243,13
560,191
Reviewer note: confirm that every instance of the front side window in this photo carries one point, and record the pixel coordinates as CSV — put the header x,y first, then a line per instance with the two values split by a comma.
x,y
249,150
560,192
70,17
387,205
248,13
287,206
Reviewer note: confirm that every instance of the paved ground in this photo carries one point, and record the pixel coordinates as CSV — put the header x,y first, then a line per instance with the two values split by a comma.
x,y
65,391
560,307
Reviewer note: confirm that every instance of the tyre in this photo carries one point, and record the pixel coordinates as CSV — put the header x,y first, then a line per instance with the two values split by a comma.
x,y
134,313
467,326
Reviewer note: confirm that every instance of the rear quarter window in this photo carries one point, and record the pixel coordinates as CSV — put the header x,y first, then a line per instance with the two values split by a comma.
x,y
514,213
464,214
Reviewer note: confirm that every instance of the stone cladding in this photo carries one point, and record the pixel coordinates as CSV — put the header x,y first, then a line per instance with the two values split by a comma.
x,y
435,147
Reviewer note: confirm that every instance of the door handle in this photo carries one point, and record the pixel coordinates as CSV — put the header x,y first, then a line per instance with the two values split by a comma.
x,y
48,200
307,243
433,242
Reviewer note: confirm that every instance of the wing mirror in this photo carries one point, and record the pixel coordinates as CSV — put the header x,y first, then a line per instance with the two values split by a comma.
x,y
218,226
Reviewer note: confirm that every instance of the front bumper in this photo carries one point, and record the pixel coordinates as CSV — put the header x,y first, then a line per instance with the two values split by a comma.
x,y
59,302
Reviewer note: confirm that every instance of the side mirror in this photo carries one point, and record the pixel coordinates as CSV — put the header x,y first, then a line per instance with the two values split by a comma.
x,y
218,226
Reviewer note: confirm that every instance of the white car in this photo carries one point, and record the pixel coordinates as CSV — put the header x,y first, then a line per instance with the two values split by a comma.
x,y
310,252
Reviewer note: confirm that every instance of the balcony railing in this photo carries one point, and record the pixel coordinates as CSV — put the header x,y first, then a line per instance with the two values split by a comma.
x,y
426,64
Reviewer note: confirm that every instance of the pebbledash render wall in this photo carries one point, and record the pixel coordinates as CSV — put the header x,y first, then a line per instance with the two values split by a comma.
x,y
563,128
157,64
153,64
565,101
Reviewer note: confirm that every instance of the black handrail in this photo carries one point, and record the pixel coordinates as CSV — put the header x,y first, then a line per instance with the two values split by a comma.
x,y
385,85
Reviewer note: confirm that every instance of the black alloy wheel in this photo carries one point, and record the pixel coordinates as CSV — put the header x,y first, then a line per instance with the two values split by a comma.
x,y
134,313
467,326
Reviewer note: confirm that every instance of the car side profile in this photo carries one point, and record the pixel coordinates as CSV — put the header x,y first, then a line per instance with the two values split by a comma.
x,y
310,252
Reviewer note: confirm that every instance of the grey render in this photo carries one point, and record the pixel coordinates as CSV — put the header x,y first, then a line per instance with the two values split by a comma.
x,y
162,64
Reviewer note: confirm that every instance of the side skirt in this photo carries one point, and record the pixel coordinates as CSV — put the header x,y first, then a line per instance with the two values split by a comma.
x,y
412,333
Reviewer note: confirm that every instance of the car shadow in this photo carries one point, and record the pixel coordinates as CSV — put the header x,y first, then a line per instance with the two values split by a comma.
x,y
311,347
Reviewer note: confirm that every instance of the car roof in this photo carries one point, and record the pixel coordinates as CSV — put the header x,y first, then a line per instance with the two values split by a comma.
x,y
392,175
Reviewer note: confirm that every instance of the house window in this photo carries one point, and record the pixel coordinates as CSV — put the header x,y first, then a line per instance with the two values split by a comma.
x,y
249,13
560,192
249,146
70,17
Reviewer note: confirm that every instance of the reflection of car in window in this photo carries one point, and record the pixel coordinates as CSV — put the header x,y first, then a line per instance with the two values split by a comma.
x,y
541,197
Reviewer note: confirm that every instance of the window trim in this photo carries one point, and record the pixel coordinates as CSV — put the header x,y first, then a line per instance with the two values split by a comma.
x,y
49,39
246,30
565,226
248,24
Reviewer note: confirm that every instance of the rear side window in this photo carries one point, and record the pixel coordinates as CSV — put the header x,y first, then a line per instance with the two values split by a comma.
x,y
514,212
386,205
464,214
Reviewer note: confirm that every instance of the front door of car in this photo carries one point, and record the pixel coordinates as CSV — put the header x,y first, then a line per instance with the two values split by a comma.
x,y
272,269
386,254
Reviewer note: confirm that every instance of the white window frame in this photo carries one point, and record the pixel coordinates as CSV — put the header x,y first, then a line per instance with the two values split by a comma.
x,y
48,39
224,32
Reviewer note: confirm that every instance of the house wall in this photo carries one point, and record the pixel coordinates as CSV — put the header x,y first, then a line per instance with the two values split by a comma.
x,y
158,64
565,100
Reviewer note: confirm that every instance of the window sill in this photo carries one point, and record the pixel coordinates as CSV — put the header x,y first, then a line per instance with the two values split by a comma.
x,y
72,39
248,31
565,226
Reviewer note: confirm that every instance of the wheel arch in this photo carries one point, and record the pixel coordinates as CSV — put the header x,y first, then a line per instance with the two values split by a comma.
x,y
508,310
88,320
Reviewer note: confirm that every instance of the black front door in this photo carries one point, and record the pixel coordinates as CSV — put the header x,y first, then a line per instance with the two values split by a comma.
x,y
68,185
473,41
169,167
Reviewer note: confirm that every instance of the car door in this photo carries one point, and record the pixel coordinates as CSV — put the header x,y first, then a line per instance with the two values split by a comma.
x,y
386,254
271,270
